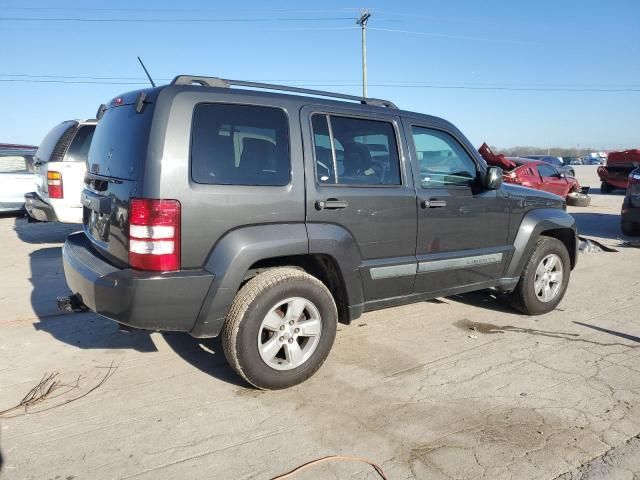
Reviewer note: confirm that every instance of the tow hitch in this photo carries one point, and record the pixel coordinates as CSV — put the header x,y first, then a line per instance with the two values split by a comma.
x,y
72,303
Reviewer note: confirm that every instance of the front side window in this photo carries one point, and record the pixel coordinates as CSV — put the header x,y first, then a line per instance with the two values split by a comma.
x,y
443,162
240,145
547,171
355,151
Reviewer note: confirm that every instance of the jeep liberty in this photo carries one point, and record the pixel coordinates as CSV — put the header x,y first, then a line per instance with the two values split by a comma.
x,y
267,214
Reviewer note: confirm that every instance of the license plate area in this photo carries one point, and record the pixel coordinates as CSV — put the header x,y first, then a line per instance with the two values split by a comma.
x,y
97,224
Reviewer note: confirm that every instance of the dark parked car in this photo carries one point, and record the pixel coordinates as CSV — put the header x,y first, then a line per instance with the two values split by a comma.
x,y
630,216
571,161
267,217
556,162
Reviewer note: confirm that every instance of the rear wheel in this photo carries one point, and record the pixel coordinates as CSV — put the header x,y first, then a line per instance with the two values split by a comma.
x,y
544,280
629,228
280,328
605,188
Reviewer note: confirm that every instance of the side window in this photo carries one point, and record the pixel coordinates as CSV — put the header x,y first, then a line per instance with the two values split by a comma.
x,y
442,160
354,151
547,171
240,145
16,164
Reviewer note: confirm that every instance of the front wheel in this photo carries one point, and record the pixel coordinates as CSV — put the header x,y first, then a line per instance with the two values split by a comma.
x,y
544,280
280,328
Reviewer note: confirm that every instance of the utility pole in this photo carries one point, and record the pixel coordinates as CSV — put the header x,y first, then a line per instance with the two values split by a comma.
x,y
362,21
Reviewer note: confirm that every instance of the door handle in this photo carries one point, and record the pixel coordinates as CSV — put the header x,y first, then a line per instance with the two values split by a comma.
x,y
433,203
331,204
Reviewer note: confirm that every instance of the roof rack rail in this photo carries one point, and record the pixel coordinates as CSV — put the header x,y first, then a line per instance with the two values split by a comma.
x,y
226,83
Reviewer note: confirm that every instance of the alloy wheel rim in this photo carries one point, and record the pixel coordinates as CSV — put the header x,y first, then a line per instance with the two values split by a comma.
x,y
548,279
289,333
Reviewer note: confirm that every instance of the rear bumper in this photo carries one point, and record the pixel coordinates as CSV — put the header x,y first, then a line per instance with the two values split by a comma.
x,y
38,208
145,300
616,178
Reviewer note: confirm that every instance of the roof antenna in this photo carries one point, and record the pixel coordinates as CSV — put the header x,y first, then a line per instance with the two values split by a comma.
x,y
147,72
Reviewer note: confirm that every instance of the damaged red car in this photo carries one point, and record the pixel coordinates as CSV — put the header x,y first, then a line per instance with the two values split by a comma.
x,y
615,174
539,175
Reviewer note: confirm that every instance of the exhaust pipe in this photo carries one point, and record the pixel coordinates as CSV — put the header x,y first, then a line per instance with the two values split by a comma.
x,y
71,303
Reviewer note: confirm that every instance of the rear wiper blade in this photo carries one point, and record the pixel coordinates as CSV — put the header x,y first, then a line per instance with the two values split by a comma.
x,y
96,176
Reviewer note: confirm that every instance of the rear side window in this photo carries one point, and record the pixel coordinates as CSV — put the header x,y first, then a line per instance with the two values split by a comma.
x,y
79,149
16,164
240,145
355,151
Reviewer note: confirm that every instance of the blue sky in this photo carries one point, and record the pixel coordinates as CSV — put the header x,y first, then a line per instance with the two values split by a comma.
x,y
514,73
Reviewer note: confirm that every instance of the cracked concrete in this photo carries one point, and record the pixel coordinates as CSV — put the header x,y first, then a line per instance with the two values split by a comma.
x,y
410,389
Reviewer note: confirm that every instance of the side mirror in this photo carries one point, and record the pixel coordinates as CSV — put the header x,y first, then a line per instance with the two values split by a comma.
x,y
493,178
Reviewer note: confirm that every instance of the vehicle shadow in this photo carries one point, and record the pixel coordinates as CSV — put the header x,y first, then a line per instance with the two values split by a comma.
x,y
43,232
486,299
83,330
601,225
205,354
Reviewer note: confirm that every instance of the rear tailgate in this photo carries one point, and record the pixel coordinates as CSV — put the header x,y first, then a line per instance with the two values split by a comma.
x,y
116,161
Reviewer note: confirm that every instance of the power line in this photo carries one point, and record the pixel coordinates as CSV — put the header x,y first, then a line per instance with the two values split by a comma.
x,y
172,20
446,35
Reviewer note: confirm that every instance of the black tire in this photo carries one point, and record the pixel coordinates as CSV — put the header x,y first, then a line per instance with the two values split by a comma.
x,y
240,334
605,188
572,173
524,297
631,229
576,199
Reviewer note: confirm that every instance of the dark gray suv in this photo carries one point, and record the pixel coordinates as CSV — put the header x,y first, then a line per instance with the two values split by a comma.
x,y
267,214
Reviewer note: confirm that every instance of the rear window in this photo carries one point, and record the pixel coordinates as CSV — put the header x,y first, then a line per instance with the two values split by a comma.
x,y
52,138
119,143
240,145
79,149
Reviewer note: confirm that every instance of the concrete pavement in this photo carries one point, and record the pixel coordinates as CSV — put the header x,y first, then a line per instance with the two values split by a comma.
x,y
461,387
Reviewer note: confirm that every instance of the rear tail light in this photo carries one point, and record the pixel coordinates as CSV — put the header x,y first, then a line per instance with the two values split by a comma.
x,y
154,235
54,185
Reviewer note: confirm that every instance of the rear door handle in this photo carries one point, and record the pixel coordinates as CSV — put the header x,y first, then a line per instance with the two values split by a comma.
x,y
331,204
433,203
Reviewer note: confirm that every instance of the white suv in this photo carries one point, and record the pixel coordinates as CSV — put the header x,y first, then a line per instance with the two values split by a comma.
x,y
60,165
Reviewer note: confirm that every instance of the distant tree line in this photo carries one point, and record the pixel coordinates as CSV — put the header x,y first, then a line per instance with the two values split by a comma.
x,y
555,151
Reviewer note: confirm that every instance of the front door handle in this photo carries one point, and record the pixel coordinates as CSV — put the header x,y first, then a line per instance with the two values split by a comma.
x,y
433,203
331,204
